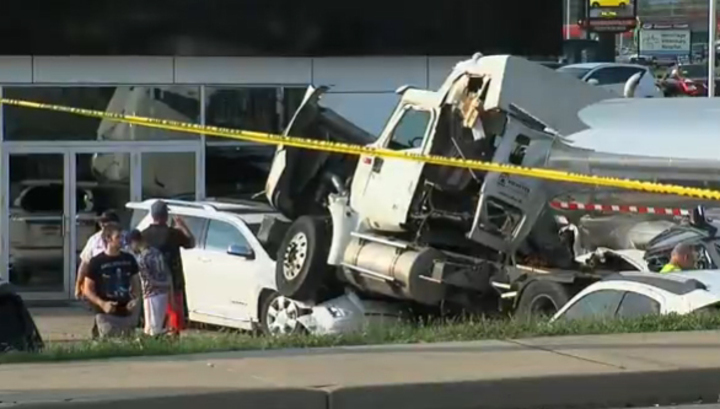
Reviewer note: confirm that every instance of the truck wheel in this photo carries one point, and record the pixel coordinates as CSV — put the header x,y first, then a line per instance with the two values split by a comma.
x,y
279,316
543,298
301,264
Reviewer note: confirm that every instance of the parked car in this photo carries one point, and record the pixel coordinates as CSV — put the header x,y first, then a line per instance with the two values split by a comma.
x,y
614,76
36,225
635,294
230,274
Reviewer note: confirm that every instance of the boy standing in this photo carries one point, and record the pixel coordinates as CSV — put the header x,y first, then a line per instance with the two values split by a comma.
x,y
156,283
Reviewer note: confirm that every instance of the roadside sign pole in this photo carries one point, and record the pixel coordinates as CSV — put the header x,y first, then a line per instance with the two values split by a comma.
x,y
712,27
567,19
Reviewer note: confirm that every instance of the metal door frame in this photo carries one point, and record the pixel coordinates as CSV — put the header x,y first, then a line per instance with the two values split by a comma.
x,y
70,150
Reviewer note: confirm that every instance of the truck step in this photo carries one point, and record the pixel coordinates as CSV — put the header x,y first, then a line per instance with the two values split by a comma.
x,y
381,240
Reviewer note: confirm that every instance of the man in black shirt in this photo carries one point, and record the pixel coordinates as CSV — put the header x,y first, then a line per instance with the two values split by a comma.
x,y
169,240
112,286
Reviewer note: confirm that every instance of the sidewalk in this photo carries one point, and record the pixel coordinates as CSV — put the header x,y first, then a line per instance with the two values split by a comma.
x,y
540,373
70,323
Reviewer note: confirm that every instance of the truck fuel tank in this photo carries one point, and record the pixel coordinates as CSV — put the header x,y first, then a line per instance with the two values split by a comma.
x,y
393,270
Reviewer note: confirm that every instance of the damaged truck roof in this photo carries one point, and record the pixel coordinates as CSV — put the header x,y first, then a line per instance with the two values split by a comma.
x,y
519,83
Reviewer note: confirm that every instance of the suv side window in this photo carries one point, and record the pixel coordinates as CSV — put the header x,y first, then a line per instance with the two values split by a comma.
x,y
410,130
637,305
614,75
599,304
221,235
195,224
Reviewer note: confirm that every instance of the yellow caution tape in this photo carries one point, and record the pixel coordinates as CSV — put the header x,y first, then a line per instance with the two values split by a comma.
x,y
349,149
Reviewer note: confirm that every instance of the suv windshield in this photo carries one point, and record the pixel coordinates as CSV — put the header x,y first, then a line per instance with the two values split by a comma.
x,y
578,73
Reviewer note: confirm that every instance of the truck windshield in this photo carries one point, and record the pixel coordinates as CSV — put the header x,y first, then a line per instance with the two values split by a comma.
x,y
578,73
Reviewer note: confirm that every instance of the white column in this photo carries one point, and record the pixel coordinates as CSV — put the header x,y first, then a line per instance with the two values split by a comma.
x,y
4,180
200,154
2,120
70,221
4,213
712,27
136,177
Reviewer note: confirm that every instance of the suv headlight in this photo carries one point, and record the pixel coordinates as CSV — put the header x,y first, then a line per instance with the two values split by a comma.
x,y
337,312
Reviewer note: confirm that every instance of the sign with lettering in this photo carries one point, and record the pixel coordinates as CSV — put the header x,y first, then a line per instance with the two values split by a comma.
x,y
665,43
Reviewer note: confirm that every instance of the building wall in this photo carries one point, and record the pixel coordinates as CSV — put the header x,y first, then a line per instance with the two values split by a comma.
x,y
361,88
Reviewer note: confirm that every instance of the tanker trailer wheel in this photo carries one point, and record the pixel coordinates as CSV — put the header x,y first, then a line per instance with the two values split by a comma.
x,y
542,298
301,267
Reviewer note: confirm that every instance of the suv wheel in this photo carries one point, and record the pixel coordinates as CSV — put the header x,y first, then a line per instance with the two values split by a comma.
x,y
279,316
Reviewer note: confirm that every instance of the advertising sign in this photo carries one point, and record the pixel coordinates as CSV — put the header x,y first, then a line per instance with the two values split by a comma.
x,y
611,15
665,43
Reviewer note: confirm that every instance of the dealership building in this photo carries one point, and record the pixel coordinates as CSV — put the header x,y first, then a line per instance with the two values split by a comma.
x,y
233,64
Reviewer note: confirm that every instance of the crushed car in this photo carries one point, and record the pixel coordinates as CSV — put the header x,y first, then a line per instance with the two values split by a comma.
x,y
392,229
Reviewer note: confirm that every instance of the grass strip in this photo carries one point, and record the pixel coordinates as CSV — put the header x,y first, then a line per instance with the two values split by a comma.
x,y
400,333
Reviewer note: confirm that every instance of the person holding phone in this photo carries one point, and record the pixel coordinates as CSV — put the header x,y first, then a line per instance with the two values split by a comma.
x,y
169,240
113,287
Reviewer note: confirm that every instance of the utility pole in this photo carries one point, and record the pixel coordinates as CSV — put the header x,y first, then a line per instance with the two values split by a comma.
x,y
712,37
567,19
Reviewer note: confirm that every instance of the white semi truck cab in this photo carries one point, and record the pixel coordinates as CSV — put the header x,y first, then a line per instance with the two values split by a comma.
x,y
425,233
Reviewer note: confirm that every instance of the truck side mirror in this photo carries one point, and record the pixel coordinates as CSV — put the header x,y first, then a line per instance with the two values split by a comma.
x,y
593,81
699,220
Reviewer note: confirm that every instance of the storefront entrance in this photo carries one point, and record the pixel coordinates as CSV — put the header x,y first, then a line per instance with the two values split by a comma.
x,y
46,219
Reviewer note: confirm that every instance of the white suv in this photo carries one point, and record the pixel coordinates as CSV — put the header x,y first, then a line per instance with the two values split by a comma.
x,y
230,274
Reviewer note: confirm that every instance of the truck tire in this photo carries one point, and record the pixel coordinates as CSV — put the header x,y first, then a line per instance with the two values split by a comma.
x,y
301,267
542,298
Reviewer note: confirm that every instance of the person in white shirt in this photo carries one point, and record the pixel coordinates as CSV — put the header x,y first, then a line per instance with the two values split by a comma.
x,y
95,245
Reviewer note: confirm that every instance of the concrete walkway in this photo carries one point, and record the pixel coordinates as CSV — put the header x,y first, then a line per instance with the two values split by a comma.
x,y
71,323
618,370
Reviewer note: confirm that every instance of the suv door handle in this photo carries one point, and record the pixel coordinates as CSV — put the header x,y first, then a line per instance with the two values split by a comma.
x,y
377,164
204,259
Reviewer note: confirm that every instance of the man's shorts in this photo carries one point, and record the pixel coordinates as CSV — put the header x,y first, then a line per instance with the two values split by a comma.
x,y
109,325
155,309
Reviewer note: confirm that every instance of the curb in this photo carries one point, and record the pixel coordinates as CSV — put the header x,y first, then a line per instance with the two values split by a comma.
x,y
582,391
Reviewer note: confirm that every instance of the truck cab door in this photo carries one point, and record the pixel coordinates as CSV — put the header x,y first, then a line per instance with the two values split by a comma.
x,y
383,188
510,205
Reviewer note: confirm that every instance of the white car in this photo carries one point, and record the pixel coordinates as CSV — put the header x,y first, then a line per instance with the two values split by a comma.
x,y
634,294
614,76
230,274
36,227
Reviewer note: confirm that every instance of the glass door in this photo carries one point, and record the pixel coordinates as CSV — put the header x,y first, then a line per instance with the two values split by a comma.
x,y
36,223
101,182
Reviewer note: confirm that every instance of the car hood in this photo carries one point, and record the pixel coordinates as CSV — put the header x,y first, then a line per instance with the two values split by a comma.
x,y
296,173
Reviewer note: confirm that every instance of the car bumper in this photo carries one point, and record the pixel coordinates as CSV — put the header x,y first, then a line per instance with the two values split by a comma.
x,y
348,313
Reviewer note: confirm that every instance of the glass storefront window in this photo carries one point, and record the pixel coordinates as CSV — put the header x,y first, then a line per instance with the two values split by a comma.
x,y
35,222
177,103
235,168
168,175
250,108
237,172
